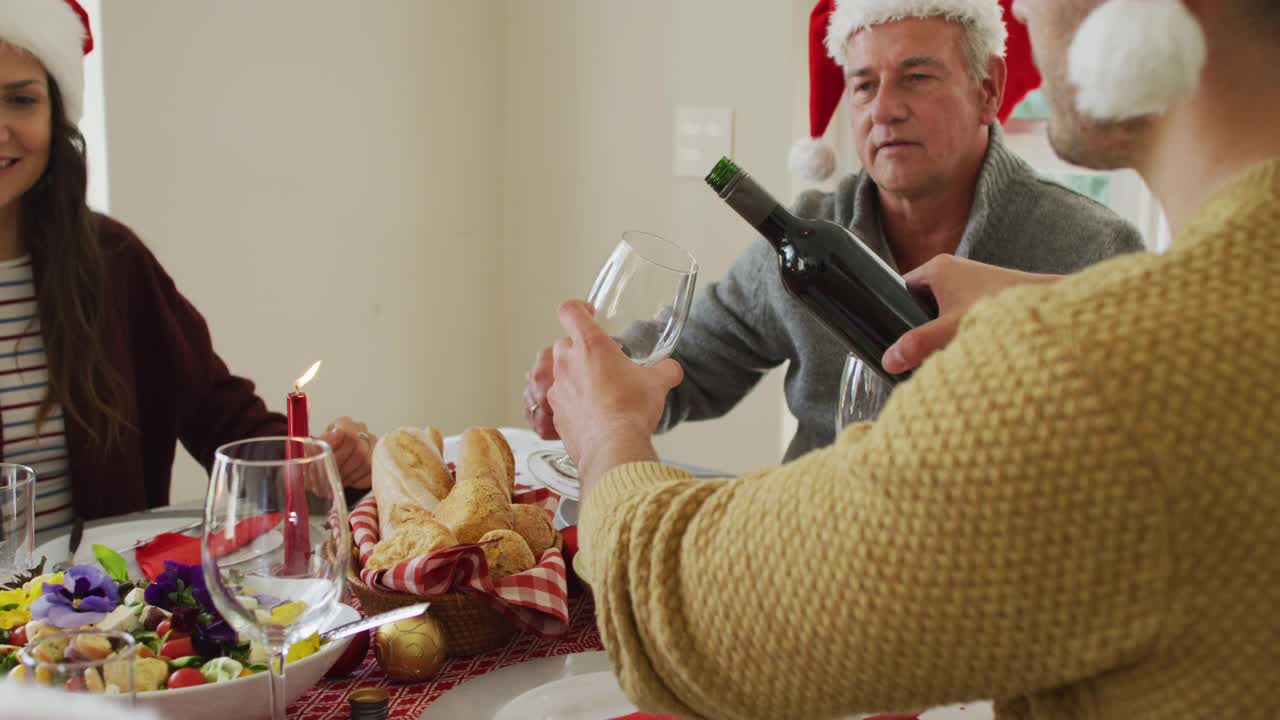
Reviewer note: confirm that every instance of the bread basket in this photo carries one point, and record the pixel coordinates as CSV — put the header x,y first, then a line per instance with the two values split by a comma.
x,y
470,625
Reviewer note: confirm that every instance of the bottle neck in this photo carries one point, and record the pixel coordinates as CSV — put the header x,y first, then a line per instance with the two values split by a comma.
x,y
757,207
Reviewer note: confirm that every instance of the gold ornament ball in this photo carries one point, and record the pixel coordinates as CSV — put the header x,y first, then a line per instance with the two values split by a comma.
x,y
410,650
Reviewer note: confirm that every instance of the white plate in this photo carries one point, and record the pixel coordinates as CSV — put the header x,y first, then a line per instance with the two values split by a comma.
x,y
122,536
248,698
117,536
594,696
484,697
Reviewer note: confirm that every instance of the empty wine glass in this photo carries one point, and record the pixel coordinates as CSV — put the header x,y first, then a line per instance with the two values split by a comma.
x,y
863,394
275,544
641,297
17,520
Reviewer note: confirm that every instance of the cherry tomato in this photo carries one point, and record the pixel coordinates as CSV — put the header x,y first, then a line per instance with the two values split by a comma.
x,y
163,628
180,647
18,636
186,677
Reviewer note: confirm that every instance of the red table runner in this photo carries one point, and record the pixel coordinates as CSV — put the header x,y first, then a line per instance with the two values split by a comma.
x,y
328,699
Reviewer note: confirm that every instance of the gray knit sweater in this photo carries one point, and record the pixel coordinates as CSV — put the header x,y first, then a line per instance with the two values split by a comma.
x,y
747,324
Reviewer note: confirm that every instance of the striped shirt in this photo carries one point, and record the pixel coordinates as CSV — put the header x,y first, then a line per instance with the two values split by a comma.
x,y
24,379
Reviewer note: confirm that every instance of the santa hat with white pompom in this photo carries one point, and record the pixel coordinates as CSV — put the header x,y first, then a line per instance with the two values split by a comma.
x,y
833,22
1131,58
55,32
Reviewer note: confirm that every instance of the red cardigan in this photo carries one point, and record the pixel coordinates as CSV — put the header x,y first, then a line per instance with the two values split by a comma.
x,y
177,388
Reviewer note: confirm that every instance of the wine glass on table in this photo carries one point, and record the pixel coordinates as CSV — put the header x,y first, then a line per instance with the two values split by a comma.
x,y
17,520
275,545
641,297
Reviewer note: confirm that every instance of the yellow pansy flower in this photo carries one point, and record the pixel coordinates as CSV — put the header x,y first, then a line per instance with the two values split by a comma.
x,y
302,649
287,613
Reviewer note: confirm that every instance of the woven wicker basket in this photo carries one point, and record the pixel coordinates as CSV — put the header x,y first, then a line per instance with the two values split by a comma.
x,y
470,626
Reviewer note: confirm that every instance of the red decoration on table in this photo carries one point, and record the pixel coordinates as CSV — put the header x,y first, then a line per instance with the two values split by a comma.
x,y
297,540
328,699
186,549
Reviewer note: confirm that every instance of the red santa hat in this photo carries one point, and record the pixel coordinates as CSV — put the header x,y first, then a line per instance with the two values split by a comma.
x,y
1135,57
57,33
833,22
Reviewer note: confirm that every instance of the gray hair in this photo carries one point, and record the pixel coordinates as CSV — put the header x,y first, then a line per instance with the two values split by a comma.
x,y
978,52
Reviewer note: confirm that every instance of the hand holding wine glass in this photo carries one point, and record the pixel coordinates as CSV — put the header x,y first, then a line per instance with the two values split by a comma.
x,y
638,304
600,395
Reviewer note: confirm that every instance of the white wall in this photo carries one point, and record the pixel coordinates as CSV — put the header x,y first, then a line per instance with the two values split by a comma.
x,y
322,185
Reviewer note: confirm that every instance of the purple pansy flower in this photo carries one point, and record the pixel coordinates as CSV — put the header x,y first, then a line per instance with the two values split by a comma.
x,y
177,579
85,597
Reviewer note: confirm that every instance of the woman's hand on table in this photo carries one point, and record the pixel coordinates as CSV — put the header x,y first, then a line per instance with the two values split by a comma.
x,y
605,406
956,284
352,445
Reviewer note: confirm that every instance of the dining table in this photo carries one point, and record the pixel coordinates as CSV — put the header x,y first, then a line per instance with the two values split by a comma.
x,y
523,663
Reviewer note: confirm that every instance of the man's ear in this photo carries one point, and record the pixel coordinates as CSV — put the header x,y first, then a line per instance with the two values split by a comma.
x,y
992,89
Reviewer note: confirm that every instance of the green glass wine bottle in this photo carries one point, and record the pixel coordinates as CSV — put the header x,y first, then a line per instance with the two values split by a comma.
x,y
832,273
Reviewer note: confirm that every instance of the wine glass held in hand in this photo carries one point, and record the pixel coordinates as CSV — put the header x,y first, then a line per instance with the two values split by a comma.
x,y
641,297
276,544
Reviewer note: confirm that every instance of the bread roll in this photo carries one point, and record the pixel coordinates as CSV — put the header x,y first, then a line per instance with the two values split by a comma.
x,y
407,470
411,540
534,525
475,507
509,555
484,452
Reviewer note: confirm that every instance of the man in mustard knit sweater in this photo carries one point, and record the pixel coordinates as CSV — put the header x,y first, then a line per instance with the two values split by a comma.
x,y
1073,509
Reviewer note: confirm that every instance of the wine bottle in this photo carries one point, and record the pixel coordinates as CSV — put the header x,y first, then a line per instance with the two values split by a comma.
x,y
833,274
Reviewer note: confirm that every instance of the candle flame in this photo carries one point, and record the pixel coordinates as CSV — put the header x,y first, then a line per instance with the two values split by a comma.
x,y
306,377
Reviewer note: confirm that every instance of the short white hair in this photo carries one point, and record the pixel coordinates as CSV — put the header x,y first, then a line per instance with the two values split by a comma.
x,y
982,20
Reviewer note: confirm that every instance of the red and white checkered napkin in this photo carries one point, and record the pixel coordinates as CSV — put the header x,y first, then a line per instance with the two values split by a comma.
x,y
536,600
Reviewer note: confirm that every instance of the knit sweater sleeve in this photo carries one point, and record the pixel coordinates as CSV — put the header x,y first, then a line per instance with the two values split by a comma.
x,y
993,534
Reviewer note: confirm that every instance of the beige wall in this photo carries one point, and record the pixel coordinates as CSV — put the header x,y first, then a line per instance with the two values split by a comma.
x,y
589,134
405,188
321,184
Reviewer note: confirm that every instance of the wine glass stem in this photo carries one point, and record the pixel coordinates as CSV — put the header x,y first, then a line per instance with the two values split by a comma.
x,y
279,700
565,466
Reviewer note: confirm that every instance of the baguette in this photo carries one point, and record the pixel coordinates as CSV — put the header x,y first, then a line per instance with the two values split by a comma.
x,y
408,470
484,453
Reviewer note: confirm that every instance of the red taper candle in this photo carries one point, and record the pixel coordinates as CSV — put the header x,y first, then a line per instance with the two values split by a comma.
x,y
297,536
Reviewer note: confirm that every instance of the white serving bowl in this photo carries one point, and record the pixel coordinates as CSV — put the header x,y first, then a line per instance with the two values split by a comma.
x,y
248,698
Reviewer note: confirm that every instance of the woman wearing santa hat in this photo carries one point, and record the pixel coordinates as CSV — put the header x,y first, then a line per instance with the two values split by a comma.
x,y
104,365
1072,509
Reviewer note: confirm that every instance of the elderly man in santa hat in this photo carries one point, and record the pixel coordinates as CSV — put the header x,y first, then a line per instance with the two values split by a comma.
x,y
926,81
